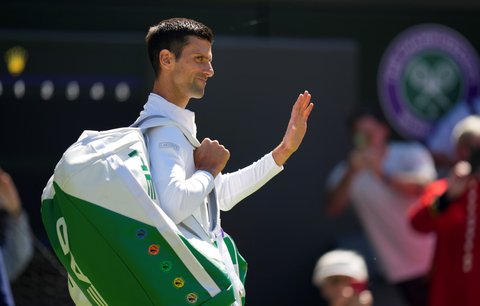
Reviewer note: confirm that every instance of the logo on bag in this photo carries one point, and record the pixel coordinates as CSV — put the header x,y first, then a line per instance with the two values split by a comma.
x,y
148,177
425,71
62,235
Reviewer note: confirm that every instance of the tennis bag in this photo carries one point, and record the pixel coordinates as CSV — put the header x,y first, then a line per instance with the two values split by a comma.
x,y
103,219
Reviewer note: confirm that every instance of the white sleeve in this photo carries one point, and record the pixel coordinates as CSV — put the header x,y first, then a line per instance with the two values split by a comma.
x,y
233,187
179,194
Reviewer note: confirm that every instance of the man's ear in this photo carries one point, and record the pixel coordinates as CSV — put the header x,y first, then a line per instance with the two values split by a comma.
x,y
166,59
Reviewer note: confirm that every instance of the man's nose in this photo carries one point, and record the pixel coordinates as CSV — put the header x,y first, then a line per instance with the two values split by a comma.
x,y
209,70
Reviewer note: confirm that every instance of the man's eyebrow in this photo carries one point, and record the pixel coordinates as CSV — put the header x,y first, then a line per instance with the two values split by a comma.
x,y
199,54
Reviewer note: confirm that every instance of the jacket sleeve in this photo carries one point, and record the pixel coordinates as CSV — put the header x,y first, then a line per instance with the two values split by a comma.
x,y
18,247
233,187
179,194
422,217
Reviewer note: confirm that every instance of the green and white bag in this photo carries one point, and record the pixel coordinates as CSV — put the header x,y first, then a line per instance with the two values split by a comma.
x,y
103,219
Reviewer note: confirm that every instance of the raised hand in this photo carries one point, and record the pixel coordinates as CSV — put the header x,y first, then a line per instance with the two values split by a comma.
x,y
296,129
458,179
351,298
9,198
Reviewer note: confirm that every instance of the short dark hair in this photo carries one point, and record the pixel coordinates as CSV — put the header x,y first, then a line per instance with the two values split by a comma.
x,y
171,34
364,111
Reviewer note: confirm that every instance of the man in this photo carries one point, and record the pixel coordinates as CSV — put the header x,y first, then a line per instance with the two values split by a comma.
x,y
382,180
181,56
449,208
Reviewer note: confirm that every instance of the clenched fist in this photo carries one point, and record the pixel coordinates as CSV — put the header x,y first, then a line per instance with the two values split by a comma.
x,y
211,156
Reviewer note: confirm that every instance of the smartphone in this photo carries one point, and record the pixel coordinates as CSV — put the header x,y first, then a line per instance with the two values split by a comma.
x,y
359,140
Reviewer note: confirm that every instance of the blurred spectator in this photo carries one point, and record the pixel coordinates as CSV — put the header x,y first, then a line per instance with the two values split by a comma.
x,y
449,207
6,298
382,179
440,142
342,279
15,236
35,275
44,281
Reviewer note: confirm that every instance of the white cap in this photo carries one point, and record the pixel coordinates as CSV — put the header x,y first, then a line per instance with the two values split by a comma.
x,y
340,262
411,163
470,125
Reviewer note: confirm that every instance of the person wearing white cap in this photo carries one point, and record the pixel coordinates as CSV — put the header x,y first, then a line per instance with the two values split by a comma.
x,y
439,140
342,278
382,179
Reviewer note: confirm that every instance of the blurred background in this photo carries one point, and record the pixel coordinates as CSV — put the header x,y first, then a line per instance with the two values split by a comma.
x,y
67,66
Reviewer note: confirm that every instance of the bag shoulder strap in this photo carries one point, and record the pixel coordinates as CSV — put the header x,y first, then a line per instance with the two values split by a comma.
x,y
159,120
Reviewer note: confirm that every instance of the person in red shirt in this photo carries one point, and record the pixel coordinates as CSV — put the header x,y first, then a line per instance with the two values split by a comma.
x,y
451,208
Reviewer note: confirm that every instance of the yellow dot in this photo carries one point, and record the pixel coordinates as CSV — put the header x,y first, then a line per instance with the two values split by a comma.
x,y
178,282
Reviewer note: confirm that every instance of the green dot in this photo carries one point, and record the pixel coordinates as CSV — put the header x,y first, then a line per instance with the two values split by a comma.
x,y
166,265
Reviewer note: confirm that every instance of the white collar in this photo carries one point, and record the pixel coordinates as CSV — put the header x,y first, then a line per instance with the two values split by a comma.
x,y
157,105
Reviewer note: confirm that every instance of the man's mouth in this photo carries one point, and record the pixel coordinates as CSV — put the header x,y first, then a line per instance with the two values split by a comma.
x,y
203,80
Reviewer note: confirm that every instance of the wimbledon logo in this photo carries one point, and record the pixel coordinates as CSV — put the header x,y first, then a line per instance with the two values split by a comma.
x,y
425,71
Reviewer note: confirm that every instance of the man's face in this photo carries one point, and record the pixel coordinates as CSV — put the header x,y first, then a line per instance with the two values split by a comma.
x,y
333,286
193,67
368,132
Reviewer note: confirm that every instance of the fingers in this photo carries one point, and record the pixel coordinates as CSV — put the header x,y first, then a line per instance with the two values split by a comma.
x,y
5,179
303,100
347,292
211,156
352,298
462,169
365,298
207,140
307,111
302,106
